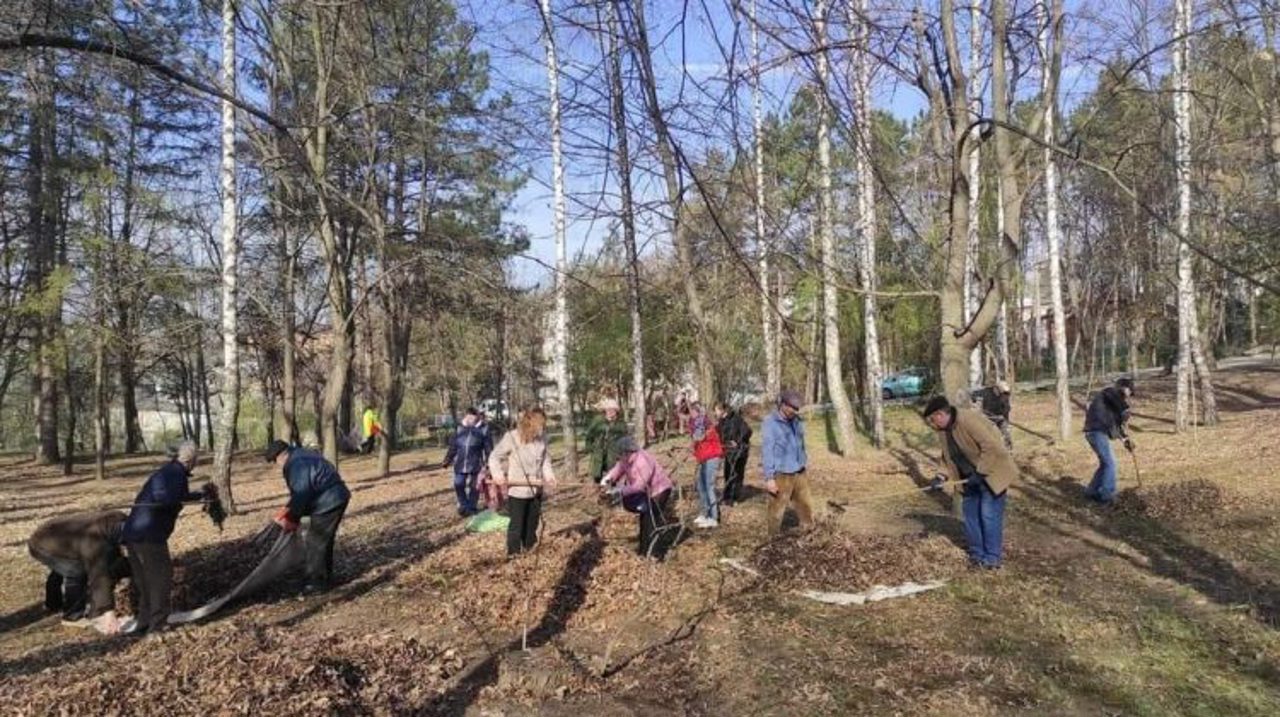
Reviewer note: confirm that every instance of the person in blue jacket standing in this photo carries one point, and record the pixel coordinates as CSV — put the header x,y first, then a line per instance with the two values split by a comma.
x,y
146,536
468,452
316,490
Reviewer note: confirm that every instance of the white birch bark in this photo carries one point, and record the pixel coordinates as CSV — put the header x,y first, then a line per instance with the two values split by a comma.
x,y
830,302
972,300
864,126
1190,352
225,435
772,370
1049,89
560,339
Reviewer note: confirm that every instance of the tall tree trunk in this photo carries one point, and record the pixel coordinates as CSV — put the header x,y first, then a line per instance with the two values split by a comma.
x,y
223,441
622,149
972,247
826,235
1051,57
958,335
42,197
100,407
1190,353
561,340
772,366
667,156
863,168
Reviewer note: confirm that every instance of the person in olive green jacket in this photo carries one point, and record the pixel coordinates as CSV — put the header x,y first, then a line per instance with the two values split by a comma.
x,y
602,438
975,457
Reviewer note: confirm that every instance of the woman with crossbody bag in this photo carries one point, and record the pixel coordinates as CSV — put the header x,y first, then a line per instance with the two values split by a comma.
x,y
520,463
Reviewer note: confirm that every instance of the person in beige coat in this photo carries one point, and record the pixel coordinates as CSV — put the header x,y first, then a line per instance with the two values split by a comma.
x,y
975,457
520,463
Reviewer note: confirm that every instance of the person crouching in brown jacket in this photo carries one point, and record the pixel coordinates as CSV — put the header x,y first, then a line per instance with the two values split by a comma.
x,y
974,453
82,552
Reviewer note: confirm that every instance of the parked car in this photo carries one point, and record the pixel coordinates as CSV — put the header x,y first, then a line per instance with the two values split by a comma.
x,y
909,382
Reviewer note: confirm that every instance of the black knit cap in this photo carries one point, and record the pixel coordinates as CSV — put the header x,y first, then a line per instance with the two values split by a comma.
x,y
1126,382
274,449
935,404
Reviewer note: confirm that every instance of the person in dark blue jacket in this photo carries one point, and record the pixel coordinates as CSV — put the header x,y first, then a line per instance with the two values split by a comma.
x,y
315,489
1105,420
469,450
146,536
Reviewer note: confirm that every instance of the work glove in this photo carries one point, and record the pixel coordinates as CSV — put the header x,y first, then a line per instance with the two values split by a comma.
x,y
938,482
282,519
1128,444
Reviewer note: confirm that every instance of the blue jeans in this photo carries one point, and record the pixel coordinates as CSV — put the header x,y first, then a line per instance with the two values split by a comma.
x,y
984,522
464,485
1103,485
706,484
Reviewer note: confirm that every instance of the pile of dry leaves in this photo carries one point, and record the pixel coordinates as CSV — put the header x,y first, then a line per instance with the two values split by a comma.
x,y
829,559
1183,501
228,669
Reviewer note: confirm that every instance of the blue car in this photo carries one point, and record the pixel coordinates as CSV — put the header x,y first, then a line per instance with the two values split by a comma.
x,y
910,382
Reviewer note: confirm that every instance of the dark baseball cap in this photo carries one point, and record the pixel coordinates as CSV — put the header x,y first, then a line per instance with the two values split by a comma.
x,y
791,398
935,404
274,449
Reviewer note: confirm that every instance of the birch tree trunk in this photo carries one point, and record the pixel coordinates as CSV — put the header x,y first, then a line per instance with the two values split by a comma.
x,y
830,301
561,336
618,111
772,371
230,354
1051,56
1190,353
972,300
859,24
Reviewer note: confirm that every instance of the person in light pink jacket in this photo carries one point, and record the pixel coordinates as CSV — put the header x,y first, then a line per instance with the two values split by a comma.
x,y
645,487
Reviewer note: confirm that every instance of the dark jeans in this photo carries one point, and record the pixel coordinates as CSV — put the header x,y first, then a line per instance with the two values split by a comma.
x,y
153,582
652,519
321,536
522,532
367,446
464,485
1103,486
735,469
984,522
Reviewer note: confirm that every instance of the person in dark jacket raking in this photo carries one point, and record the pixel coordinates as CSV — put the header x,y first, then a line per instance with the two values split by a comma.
x,y
468,452
735,436
316,490
1105,421
146,536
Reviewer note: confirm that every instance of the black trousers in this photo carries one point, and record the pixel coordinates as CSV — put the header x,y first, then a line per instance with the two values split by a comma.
x,y
322,535
153,582
522,532
735,470
652,520
66,593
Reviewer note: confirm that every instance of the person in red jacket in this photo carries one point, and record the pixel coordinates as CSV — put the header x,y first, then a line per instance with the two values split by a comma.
x,y
707,451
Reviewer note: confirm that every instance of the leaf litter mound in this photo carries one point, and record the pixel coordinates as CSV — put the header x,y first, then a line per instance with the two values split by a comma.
x,y
1182,501
225,669
829,559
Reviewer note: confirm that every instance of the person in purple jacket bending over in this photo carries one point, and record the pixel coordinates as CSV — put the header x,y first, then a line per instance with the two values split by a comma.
x,y
645,487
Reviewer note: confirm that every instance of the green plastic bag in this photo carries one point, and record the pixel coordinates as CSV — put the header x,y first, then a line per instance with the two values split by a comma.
x,y
487,522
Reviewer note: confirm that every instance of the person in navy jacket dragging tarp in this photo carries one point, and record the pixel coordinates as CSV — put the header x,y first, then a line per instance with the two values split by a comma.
x,y
316,490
